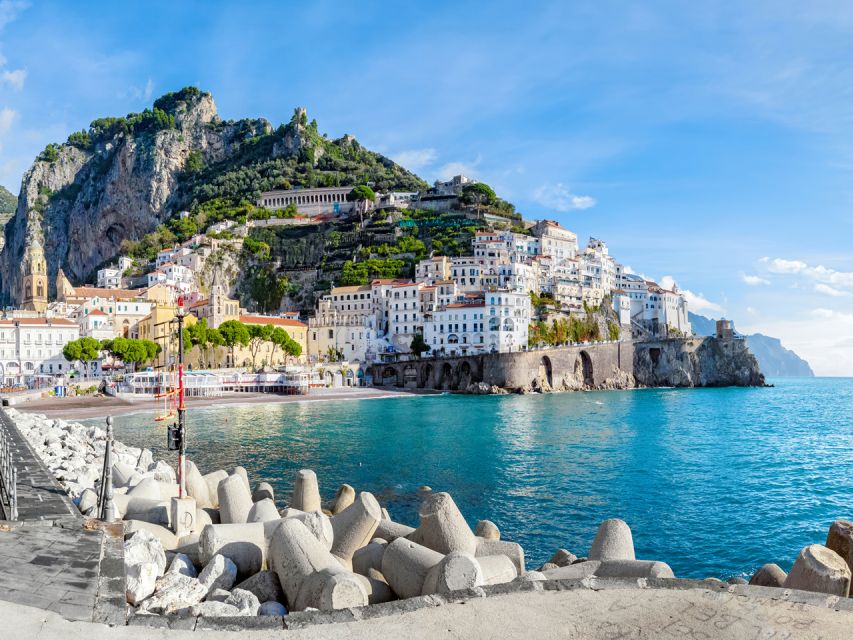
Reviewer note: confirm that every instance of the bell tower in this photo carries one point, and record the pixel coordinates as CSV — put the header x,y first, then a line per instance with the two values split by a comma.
x,y
35,279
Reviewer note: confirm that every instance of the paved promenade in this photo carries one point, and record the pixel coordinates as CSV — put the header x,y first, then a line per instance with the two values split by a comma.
x,y
578,613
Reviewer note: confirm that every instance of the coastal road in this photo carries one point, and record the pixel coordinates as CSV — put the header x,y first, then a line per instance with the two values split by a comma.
x,y
584,613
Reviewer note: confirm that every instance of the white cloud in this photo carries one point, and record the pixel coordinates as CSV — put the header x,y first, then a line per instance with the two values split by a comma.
x,y
752,311
149,89
14,79
696,302
7,117
753,281
9,10
468,169
831,291
818,272
560,198
416,159
827,314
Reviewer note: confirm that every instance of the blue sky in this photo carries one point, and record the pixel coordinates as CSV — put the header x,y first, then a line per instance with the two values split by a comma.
x,y
709,143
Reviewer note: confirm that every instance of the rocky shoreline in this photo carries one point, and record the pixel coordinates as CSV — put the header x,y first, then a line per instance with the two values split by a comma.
x,y
233,551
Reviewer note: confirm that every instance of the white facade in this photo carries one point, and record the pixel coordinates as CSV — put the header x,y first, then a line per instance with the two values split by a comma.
x,y
332,200
109,278
555,241
31,347
353,335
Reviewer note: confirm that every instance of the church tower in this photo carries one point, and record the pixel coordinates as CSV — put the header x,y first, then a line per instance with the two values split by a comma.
x,y
35,279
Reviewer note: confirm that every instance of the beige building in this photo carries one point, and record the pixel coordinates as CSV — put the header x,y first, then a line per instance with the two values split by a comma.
x,y
34,287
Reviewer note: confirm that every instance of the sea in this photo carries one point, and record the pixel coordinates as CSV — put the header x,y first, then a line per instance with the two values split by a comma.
x,y
715,482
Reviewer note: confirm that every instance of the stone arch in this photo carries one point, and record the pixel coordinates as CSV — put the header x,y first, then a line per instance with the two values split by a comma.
x,y
445,377
583,369
546,372
465,375
389,376
426,376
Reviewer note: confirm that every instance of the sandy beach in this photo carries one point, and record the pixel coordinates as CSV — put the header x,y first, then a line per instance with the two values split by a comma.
x,y
85,407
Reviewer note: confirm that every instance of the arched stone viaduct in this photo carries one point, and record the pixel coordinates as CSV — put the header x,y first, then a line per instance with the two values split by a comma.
x,y
589,366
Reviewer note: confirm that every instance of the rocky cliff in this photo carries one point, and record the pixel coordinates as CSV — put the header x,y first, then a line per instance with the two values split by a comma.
x,y
8,204
696,362
123,177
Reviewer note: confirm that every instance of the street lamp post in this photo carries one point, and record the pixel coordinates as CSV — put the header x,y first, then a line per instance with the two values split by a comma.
x,y
182,449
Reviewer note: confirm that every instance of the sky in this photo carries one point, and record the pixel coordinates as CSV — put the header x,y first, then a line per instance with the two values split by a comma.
x,y
709,144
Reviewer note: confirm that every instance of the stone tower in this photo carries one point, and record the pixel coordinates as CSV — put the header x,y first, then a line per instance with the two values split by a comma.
x,y
34,287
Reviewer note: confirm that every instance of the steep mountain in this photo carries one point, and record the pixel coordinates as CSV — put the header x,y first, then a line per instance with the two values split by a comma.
x,y
119,185
8,203
775,360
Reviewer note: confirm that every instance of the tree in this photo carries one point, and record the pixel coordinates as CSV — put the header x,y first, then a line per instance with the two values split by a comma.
x,y
214,341
361,195
478,193
333,354
258,334
418,345
292,348
82,350
234,333
279,339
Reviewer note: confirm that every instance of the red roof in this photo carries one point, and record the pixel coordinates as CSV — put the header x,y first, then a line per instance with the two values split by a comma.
x,y
456,305
97,312
40,321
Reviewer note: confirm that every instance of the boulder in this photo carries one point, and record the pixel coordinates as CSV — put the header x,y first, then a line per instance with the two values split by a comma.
x,y
839,539
613,541
488,530
442,527
140,581
214,609
88,500
306,491
820,569
182,565
181,593
144,548
218,595
353,527
246,602
220,573
235,501
264,585
770,575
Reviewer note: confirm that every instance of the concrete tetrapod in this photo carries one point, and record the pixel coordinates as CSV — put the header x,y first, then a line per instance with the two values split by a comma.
x,y
390,530
245,544
197,486
457,570
318,523
241,471
820,569
488,530
235,501
354,527
511,550
344,497
442,527
613,541
770,575
369,557
212,480
840,540
573,572
263,491
405,565
497,569
310,576
306,491
633,569
263,511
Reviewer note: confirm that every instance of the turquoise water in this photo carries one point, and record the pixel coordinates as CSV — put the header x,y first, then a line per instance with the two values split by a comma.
x,y
715,482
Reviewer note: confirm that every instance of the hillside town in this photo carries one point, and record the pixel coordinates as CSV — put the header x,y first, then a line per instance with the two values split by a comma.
x,y
496,298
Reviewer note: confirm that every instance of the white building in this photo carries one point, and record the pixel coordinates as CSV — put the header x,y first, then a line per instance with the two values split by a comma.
x,y
597,271
32,347
96,324
351,335
555,241
109,278
312,202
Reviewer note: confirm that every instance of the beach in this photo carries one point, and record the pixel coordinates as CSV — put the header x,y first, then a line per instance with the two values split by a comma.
x,y
88,407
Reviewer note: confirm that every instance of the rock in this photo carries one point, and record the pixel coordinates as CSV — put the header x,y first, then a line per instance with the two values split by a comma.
x,y
549,566
613,541
488,530
264,585
145,548
218,595
344,497
306,492
354,527
235,501
770,575
820,569
839,539
405,565
457,570
88,500
140,581
182,592
247,603
442,527
181,564
310,576
220,573
563,558
263,491
272,608
263,511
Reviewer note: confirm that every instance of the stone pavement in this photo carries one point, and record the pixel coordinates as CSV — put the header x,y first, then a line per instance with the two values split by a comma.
x,y
601,612
50,558
40,497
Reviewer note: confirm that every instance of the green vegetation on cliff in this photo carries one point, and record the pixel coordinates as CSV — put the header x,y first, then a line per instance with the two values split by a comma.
x,y
8,203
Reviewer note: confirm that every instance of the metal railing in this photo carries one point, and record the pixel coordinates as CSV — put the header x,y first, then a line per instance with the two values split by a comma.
x,y
8,478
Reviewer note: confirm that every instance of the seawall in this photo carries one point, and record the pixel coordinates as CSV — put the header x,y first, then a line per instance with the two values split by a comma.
x,y
677,362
